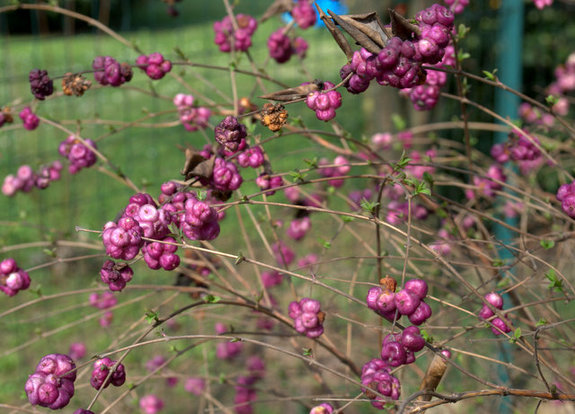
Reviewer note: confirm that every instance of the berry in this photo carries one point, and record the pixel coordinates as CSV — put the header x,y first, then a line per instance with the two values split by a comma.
x,y
411,339
195,385
12,278
108,71
421,314
279,46
78,153
52,384
116,275
298,228
323,408
418,287
155,66
29,119
161,255
230,133
303,13
376,375
393,353
40,84
77,350
283,254
192,117
266,182
101,370
228,38
226,350
124,239
308,317
406,302
252,157
323,102
499,326
151,404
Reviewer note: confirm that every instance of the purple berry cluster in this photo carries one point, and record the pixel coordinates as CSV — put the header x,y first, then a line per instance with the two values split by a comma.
x,y
40,84
240,39
566,195
251,157
52,383
116,275
521,149
399,349
26,179
340,167
304,14
154,64
154,221
195,385
100,371
226,350
377,375
498,325
457,6
12,278
486,186
106,300
324,102
271,278
245,391
398,212
30,120
108,71
298,228
123,240
409,301
308,317
268,182
230,133
283,254
161,255
281,47
192,117
78,153
77,350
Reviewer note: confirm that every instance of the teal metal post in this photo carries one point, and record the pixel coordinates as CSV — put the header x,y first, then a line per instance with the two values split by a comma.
x,y
509,66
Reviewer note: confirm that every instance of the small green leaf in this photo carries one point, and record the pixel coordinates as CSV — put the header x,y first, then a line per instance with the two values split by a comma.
x,y
313,163
554,282
347,219
516,335
307,352
297,176
541,322
426,336
462,31
222,378
497,263
490,75
212,299
547,244
368,206
551,100
398,122
202,195
236,340
325,243
50,252
240,258
152,317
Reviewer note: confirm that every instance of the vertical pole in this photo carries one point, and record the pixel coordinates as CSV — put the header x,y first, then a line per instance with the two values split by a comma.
x,y
509,65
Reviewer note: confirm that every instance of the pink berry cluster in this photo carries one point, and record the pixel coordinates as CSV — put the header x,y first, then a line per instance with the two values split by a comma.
x,y
226,350
26,179
192,117
106,300
324,101
78,153
323,408
100,371
109,72
251,157
298,228
304,14
398,64
122,240
30,120
457,6
195,385
409,301
376,374
227,37
284,255
398,212
161,255
281,47
271,278
12,278
308,317
498,325
268,182
340,168
40,84
77,350
154,64
151,404
245,391
541,4
521,149
399,349
566,196
116,275
486,186
225,176
52,383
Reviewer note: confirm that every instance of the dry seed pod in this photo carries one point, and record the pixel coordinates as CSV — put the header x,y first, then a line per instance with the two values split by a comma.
x,y
75,84
274,116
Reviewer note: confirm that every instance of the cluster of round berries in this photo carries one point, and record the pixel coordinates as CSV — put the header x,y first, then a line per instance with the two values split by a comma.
x,y
268,182
52,383
498,325
298,228
106,300
399,349
26,179
161,255
377,375
340,167
251,157
271,278
541,4
238,39
153,221
457,6
308,317
40,84
323,408
282,47
231,134
564,79
116,275
520,149
566,195
398,64
304,14
225,176
151,404
533,115
108,71
192,117
154,65
226,350
409,301
324,101
398,212
100,371
283,254
486,186
30,120
77,350
12,278
195,385
78,153
122,240
245,391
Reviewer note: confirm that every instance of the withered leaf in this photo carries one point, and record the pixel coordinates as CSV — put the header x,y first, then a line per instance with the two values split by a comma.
x,y
337,35
361,31
291,94
401,27
197,166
